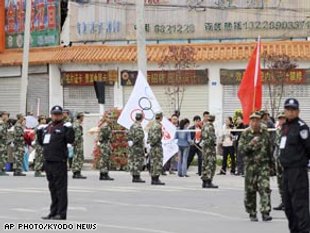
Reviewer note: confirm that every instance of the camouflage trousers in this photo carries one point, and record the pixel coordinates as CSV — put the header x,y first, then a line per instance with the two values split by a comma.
x,y
19,152
136,160
279,170
78,158
257,180
156,156
39,159
104,163
208,164
3,158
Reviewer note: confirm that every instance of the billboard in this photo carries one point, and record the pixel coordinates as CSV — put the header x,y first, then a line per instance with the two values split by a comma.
x,y
195,19
45,23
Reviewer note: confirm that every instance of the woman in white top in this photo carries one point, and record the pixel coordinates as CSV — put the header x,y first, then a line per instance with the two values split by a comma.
x,y
228,147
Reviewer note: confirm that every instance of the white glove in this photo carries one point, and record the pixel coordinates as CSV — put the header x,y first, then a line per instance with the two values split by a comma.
x,y
33,143
175,141
69,146
201,144
130,143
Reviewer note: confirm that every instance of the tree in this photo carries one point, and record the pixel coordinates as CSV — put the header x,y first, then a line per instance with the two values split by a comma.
x,y
277,73
180,58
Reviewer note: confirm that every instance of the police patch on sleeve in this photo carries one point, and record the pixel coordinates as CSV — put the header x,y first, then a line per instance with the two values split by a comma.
x,y
304,134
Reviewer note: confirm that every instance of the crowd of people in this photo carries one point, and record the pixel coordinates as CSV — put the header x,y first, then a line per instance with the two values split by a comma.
x,y
261,149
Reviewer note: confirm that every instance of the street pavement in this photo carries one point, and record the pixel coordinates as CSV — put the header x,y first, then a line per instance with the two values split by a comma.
x,y
181,206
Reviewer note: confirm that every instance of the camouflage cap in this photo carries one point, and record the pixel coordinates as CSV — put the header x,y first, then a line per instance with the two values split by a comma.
x,y
4,113
19,116
79,114
158,114
139,115
256,115
211,118
281,115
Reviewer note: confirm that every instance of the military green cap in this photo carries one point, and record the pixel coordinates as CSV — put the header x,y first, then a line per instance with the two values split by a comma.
x,y
139,115
211,118
256,115
4,113
79,114
158,114
281,115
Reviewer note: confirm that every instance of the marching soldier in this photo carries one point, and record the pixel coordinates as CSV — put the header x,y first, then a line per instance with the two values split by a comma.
x,y
208,144
78,159
279,169
136,149
54,139
156,153
39,159
4,117
19,145
255,146
104,140
294,157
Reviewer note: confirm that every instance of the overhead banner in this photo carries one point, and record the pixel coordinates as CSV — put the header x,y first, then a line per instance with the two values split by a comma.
x,y
183,19
87,78
45,23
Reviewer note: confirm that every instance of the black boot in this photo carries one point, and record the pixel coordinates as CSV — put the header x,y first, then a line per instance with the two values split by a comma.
x,y
3,173
280,207
253,218
156,181
210,185
137,179
105,176
204,184
18,173
77,175
266,217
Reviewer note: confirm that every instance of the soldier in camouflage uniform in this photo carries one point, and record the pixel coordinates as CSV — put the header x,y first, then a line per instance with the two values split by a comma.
x,y
4,117
208,143
104,140
255,145
136,149
19,145
39,158
78,158
156,153
279,168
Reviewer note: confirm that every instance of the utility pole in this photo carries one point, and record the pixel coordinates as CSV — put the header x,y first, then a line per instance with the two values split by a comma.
x,y
24,79
140,35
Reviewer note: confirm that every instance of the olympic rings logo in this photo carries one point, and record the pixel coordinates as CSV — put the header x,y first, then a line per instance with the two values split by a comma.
x,y
145,108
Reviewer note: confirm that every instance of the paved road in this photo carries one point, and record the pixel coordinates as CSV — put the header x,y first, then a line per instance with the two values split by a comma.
x,y
122,207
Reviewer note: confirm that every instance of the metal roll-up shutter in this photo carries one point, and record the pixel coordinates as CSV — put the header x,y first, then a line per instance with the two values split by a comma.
x,y
10,95
38,93
301,92
195,100
83,98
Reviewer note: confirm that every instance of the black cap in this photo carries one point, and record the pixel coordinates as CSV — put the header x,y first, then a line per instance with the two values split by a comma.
x,y
291,103
56,110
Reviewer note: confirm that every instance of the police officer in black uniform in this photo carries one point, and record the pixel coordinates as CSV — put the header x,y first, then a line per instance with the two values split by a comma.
x,y
54,139
295,153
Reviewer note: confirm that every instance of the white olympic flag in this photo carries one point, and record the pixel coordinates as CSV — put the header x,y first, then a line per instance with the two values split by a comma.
x,y
143,100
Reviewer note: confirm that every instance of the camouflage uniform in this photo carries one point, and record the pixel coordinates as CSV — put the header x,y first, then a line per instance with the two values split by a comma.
x,y
256,150
3,145
19,147
156,153
39,158
105,136
208,152
136,151
78,159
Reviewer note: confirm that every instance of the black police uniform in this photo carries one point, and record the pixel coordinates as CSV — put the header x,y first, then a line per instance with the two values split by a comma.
x,y
295,153
54,139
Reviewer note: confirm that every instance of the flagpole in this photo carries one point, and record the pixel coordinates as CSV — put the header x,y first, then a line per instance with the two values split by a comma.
x,y
257,63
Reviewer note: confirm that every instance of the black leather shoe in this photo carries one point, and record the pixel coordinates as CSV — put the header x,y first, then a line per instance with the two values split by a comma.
x,y
18,174
137,179
48,217
280,207
58,217
210,185
253,218
266,217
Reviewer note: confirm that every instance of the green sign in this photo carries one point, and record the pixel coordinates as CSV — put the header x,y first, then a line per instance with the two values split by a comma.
x,y
45,21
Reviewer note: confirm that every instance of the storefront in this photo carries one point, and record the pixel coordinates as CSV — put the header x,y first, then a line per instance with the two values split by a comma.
x,y
189,88
79,93
296,85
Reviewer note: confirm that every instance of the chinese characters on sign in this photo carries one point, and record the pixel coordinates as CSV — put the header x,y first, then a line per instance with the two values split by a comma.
x,y
296,76
186,77
45,22
85,78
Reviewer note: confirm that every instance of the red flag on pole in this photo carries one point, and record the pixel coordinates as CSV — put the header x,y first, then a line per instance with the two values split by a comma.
x,y
250,89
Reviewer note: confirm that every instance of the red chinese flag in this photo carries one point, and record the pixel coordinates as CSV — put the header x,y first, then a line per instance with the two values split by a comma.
x,y
250,89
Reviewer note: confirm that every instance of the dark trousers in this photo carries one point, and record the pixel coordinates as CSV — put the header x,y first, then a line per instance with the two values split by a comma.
x,y
192,152
229,150
57,177
296,199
